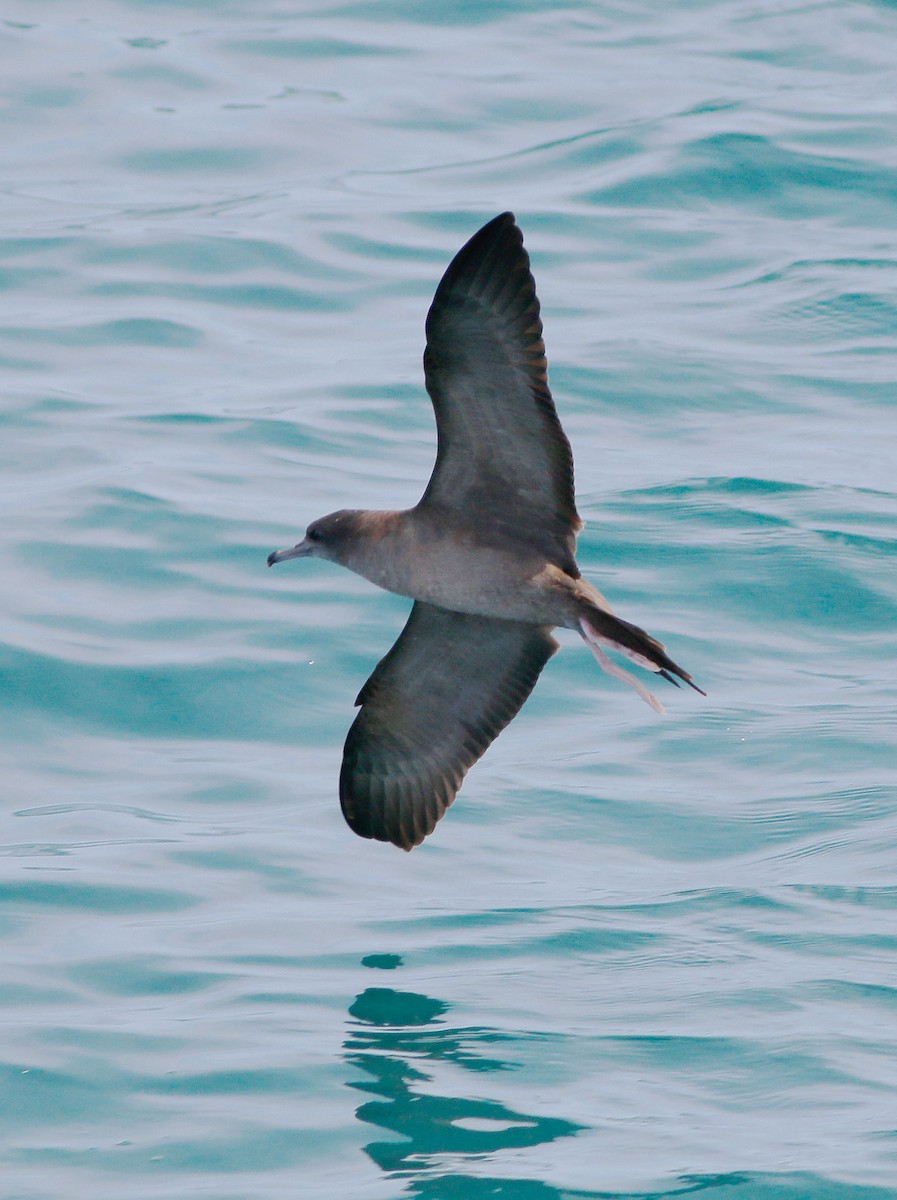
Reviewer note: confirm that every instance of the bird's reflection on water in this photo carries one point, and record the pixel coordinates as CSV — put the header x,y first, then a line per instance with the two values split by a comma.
x,y
398,1039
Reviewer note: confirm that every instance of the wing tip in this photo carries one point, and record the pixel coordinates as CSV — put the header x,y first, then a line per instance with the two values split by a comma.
x,y
384,806
503,218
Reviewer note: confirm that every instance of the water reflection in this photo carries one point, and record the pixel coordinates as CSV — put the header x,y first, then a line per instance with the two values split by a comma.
x,y
398,1039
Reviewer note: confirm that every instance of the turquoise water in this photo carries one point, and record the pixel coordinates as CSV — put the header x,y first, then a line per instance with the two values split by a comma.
x,y
640,957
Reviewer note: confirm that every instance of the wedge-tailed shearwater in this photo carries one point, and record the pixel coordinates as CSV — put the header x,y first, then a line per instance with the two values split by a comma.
x,y
487,555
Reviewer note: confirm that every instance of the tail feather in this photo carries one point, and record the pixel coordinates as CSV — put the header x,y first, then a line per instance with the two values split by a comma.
x,y
600,628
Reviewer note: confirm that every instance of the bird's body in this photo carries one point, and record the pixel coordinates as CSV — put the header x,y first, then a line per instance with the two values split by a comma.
x,y
440,559
488,555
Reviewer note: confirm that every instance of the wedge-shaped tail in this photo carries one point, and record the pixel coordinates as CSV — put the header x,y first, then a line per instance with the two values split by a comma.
x,y
600,629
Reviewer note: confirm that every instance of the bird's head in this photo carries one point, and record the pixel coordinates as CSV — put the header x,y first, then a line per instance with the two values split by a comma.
x,y
328,537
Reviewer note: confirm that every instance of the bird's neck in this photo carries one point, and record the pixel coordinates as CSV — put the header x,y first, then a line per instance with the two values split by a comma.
x,y
381,548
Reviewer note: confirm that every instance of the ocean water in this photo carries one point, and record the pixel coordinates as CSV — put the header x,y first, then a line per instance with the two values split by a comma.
x,y
641,956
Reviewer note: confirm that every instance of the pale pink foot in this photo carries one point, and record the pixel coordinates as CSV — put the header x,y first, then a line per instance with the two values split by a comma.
x,y
595,641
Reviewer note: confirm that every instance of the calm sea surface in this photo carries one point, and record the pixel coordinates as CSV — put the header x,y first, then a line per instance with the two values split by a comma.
x,y
641,957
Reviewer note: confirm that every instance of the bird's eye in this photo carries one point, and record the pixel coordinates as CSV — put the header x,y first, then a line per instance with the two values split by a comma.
x,y
313,535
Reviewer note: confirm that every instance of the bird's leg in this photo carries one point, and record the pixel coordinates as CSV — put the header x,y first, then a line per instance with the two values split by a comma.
x,y
595,641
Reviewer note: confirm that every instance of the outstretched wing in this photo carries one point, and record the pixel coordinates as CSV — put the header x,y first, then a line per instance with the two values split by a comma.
x,y
502,453
433,705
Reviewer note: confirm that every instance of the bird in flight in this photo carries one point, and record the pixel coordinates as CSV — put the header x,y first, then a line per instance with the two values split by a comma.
x,y
487,555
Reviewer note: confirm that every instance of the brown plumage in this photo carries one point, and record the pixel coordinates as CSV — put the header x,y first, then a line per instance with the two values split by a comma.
x,y
437,700
501,447
488,555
